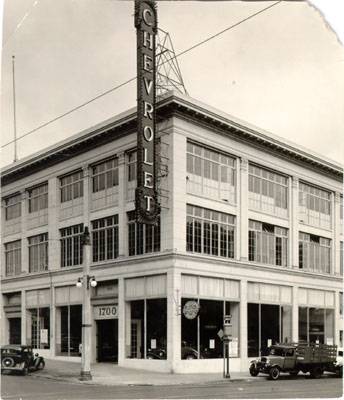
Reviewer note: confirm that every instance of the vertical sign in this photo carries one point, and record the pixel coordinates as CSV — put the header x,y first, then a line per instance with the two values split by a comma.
x,y
147,208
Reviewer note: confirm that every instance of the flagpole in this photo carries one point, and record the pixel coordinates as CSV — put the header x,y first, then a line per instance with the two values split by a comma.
x,y
14,109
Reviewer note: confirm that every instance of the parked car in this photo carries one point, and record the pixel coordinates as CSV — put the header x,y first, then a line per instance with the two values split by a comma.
x,y
156,354
188,352
20,358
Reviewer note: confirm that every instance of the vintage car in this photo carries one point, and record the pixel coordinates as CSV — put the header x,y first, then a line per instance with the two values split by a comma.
x,y
20,358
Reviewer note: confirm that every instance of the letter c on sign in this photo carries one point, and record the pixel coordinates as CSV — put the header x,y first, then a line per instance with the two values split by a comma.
x,y
145,12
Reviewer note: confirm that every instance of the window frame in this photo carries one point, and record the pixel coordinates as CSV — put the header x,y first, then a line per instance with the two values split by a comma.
x,y
40,247
38,200
71,246
75,188
13,258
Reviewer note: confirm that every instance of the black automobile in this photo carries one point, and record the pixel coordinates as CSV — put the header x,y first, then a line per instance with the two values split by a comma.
x,y
20,358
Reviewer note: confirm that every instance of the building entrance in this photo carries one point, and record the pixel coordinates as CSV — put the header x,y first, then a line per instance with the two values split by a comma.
x,y
107,340
14,330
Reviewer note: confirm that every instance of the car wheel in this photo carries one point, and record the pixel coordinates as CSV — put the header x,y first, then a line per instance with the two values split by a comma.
x,y
190,357
7,362
274,373
294,373
254,371
25,370
41,365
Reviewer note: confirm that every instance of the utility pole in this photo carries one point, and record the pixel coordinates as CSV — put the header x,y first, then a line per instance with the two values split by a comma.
x,y
85,374
14,109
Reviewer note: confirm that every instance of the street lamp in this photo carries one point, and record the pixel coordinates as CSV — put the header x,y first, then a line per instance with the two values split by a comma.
x,y
85,283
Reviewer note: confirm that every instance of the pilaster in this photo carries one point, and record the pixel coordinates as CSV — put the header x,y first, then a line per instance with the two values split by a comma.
x,y
294,224
121,322
24,241
53,233
173,319
336,228
295,315
122,200
243,228
52,322
23,317
86,202
243,324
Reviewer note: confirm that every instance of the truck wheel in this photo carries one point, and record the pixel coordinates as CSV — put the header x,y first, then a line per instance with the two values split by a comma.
x,y
7,362
274,373
41,365
316,372
340,372
253,371
294,373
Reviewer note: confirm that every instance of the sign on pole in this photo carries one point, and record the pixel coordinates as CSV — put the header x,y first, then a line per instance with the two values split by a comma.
x,y
147,207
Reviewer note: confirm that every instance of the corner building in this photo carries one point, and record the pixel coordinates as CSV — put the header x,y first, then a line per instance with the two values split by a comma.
x,y
250,225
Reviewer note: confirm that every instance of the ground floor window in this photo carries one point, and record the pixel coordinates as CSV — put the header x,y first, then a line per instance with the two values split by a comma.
x,y
68,330
201,335
316,325
267,324
39,328
147,329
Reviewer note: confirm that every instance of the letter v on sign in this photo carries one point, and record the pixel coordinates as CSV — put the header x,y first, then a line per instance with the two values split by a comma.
x,y
148,85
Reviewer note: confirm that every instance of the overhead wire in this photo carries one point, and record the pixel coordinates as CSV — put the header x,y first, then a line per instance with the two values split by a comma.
x,y
134,78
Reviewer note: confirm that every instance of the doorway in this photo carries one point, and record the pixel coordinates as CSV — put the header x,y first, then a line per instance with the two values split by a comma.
x,y
107,340
14,330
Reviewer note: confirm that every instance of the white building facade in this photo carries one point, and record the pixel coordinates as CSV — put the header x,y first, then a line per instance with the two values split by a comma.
x,y
250,226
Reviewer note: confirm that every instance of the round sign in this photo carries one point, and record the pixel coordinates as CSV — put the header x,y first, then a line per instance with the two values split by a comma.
x,y
191,309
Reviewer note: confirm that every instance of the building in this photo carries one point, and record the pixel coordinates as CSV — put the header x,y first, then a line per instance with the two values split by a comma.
x,y
250,225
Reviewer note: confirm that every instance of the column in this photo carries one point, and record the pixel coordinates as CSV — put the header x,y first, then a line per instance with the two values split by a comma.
x,y
173,319
243,228
335,256
243,325
86,202
53,232
24,241
23,318
294,224
122,201
52,322
4,324
175,218
121,322
295,315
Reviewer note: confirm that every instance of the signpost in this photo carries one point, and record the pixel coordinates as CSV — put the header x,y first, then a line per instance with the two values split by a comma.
x,y
227,336
147,207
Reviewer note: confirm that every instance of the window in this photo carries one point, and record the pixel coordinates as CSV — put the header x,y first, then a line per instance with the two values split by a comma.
x,y
105,175
38,198
315,206
314,253
210,232
267,324
316,325
210,173
341,304
267,244
341,258
268,191
40,328
38,253
72,186
142,238
132,166
13,207
105,238
71,247
13,258
70,321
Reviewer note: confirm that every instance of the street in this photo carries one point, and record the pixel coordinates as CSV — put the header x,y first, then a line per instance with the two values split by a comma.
x,y
37,388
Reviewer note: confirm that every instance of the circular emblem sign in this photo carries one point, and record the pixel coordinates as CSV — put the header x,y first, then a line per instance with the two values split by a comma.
x,y
191,309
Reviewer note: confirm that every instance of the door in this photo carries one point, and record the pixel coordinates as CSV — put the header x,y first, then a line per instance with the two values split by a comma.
x,y
107,340
14,330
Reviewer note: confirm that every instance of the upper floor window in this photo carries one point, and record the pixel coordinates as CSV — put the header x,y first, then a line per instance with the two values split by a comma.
x,y
105,175
71,247
210,232
12,207
105,238
314,253
71,186
142,238
268,191
315,206
132,159
267,243
341,258
13,258
210,173
38,198
38,253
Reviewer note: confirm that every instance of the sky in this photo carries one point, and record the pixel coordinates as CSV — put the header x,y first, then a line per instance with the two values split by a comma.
x,y
282,70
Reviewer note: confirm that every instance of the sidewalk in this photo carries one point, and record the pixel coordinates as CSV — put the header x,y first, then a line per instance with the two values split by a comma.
x,y
113,375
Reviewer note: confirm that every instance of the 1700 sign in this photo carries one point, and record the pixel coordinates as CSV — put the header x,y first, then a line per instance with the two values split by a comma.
x,y
105,312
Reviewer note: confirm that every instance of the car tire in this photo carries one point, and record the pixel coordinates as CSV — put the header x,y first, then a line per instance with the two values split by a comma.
x,y
25,370
254,371
41,365
7,362
190,357
274,373
316,372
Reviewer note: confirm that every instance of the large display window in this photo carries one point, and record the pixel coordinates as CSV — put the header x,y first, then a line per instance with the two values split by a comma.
x,y
69,321
267,324
316,325
38,332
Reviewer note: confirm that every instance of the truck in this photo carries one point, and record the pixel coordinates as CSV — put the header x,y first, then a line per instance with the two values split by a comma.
x,y
295,357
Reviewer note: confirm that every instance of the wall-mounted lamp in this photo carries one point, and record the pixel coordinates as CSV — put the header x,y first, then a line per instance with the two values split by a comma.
x,y
91,281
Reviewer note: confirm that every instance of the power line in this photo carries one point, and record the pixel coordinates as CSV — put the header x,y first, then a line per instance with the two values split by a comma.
x,y
132,79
